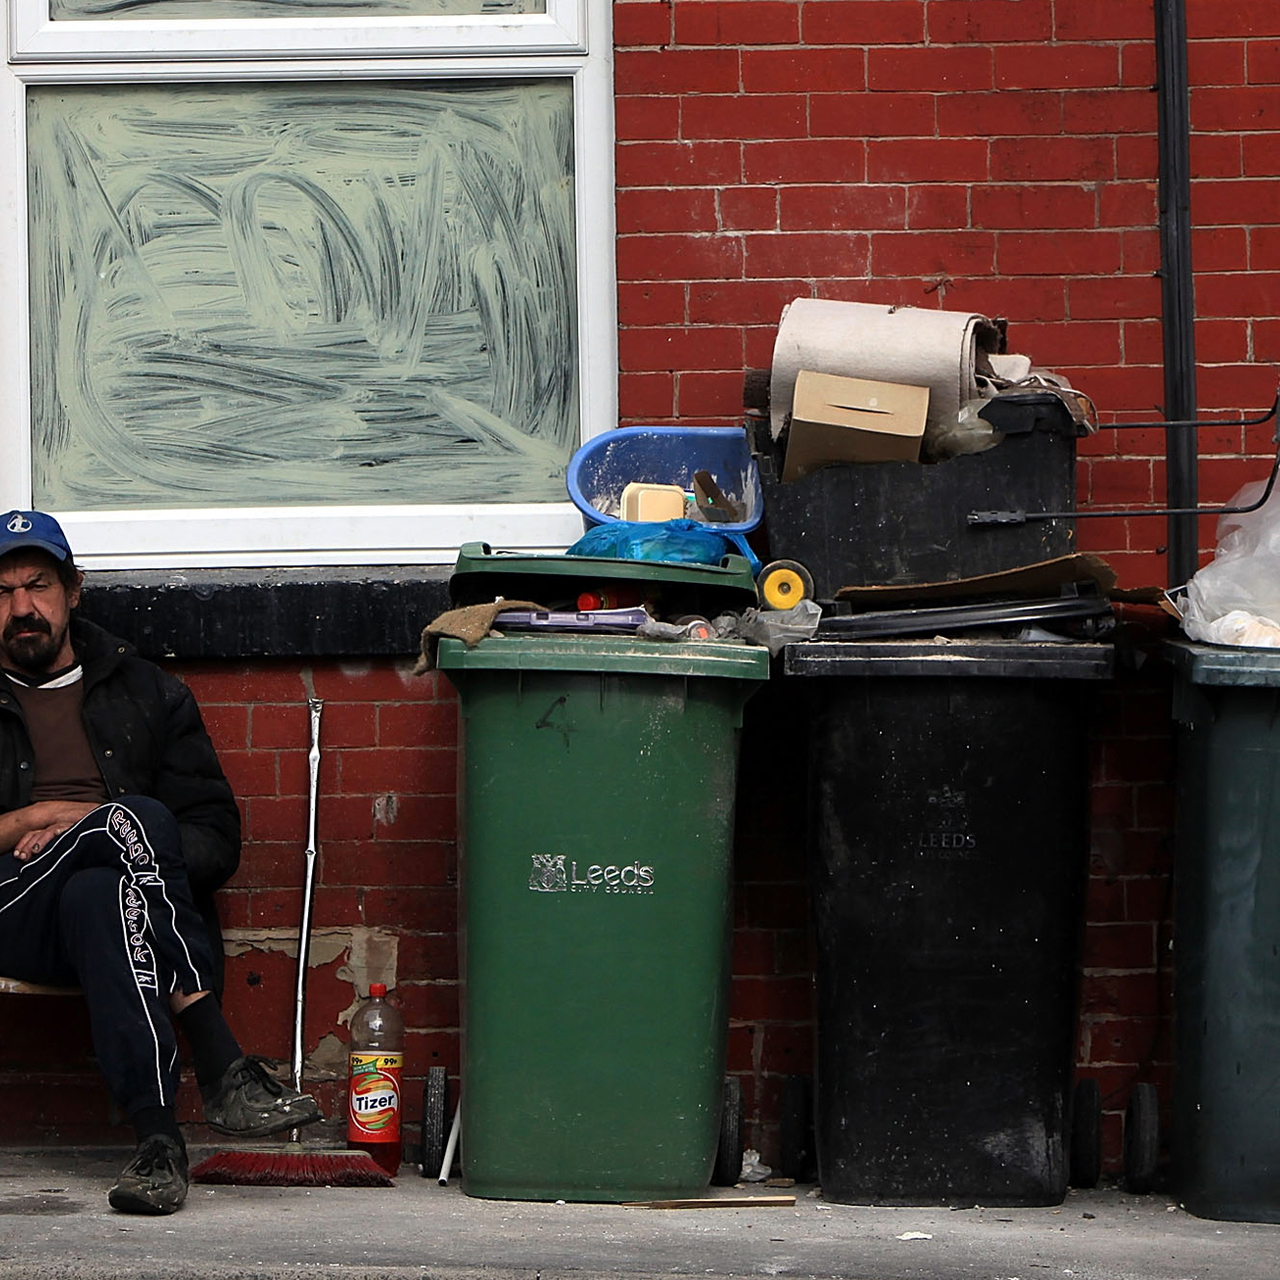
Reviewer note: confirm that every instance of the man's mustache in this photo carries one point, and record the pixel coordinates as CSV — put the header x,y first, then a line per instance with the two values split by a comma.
x,y
31,622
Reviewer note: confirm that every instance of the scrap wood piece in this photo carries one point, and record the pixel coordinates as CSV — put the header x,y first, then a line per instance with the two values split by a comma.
x,y
715,1202
711,499
20,987
1042,578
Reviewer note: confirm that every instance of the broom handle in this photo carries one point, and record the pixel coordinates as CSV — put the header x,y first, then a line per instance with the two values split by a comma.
x,y
304,929
450,1147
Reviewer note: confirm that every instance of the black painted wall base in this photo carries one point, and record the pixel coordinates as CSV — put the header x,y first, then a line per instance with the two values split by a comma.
x,y
269,613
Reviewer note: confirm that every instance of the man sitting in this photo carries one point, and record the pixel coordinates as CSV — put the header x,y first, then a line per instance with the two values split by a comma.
x,y
112,805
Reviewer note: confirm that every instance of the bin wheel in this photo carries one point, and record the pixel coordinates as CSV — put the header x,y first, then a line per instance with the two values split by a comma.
x,y
435,1120
1086,1134
1141,1138
728,1166
783,583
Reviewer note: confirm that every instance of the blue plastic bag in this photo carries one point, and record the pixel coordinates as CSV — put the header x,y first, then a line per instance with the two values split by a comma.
x,y
675,541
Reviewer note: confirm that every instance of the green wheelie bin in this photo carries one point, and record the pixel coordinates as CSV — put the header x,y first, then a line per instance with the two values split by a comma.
x,y
596,793
1226,1099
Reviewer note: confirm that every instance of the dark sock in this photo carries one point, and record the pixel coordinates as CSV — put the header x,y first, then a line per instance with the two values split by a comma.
x,y
213,1047
149,1121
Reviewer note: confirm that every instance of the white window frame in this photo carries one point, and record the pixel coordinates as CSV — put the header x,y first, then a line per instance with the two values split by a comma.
x,y
323,534
34,37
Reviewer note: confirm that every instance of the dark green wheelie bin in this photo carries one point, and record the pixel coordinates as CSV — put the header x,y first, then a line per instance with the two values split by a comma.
x,y
596,801
1226,1106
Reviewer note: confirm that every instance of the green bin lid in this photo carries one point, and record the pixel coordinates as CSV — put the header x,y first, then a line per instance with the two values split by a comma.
x,y
1223,665
481,574
612,654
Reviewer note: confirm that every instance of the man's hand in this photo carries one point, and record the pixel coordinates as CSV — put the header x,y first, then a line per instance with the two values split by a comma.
x,y
28,831
31,844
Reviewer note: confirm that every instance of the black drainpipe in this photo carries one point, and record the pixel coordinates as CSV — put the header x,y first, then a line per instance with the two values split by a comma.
x,y
1177,281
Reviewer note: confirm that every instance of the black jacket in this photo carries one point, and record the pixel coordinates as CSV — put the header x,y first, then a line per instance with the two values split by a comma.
x,y
148,738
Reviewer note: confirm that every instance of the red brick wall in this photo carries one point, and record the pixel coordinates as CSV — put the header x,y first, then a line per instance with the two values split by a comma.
x,y
993,155
386,875
386,833
387,871
998,155
1126,989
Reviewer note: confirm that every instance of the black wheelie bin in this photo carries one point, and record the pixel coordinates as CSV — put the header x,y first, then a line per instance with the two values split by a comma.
x,y
948,833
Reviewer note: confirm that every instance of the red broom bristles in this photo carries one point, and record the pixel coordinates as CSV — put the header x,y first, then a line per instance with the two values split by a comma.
x,y
290,1167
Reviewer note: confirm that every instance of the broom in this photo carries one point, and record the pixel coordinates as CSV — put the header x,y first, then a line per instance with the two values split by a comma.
x,y
293,1165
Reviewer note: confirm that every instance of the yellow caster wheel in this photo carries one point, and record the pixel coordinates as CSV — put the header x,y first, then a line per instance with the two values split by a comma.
x,y
783,583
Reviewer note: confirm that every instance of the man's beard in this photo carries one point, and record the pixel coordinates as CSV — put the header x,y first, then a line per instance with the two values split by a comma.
x,y
30,644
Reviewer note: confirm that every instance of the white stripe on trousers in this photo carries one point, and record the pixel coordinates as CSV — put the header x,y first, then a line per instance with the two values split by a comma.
x,y
110,819
138,919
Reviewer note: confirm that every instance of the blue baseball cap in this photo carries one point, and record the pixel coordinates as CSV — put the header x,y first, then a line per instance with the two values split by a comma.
x,y
33,529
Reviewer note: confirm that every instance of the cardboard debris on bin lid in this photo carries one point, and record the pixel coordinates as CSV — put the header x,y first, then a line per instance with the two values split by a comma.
x,y
1046,577
1158,596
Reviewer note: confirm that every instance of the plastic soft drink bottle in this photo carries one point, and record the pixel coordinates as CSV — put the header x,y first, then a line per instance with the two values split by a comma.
x,y
374,1093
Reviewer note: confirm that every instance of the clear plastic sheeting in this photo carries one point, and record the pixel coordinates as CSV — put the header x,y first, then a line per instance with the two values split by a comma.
x,y
965,432
1235,599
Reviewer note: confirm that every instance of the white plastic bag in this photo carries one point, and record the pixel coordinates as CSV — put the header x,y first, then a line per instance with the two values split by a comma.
x,y
1235,599
960,433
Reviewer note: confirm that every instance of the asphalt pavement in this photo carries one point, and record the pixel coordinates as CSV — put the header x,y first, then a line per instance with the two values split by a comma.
x,y
55,1223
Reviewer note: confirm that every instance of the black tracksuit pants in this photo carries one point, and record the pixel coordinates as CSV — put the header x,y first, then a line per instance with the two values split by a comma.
x,y
107,906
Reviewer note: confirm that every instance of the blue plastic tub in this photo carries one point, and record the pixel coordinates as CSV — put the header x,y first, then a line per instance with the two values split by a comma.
x,y
607,463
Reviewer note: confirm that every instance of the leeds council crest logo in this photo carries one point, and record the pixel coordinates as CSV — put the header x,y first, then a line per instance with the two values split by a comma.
x,y
548,875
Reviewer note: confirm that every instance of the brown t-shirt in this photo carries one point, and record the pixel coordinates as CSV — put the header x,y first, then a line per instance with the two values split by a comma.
x,y
65,767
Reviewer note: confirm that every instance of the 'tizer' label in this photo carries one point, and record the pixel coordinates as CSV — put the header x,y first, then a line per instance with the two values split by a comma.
x,y
373,1102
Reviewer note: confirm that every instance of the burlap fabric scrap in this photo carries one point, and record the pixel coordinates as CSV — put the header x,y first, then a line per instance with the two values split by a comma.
x,y
470,625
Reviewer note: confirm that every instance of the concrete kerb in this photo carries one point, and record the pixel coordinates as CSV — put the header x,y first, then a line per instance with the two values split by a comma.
x,y
55,1222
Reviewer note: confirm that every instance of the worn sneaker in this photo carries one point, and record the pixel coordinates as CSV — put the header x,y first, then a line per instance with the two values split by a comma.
x,y
249,1101
154,1181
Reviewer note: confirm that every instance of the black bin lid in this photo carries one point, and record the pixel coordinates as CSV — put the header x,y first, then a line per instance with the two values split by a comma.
x,y
993,659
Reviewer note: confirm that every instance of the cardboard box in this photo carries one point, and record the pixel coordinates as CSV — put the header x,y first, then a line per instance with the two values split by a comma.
x,y
836,419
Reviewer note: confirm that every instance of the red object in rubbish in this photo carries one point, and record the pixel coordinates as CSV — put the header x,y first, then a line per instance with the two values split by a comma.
x,y
609,598
374,1094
